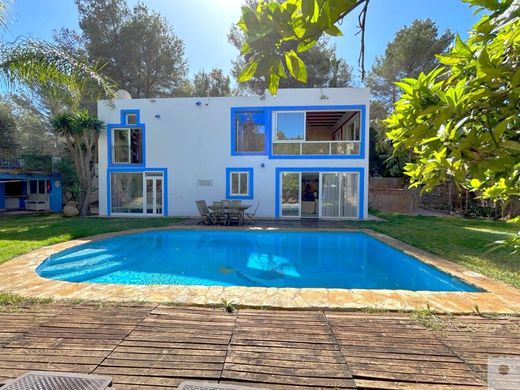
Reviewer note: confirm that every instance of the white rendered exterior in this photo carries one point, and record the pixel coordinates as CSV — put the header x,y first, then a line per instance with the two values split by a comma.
x,y
190,138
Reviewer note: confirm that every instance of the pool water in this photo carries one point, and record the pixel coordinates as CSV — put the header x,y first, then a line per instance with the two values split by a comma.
x,y
248,258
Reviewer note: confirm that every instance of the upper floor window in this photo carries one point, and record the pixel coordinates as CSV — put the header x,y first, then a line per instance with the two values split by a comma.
x,y
127,146
131,119
316,133
249,132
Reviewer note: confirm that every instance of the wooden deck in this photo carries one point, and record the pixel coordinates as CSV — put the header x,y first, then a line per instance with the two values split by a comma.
x,y
157,347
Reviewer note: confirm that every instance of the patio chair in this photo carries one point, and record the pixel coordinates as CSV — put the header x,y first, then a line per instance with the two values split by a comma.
x,y
220,216
206,216
250,217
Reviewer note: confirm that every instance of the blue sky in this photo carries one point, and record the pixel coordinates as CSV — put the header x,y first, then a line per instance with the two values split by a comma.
x,y
204,24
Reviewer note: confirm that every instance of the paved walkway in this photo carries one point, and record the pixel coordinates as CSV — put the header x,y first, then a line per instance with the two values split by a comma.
x,y
157,346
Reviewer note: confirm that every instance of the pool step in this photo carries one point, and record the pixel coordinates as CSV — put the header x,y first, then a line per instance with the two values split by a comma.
x,y
89,263
93,272
77,264
75,255
86,265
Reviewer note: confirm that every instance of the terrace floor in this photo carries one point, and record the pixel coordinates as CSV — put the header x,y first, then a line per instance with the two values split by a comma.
x,y
158,346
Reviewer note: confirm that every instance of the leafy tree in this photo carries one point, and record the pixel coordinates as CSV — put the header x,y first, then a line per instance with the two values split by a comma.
x,y
79,132
137,47
34,135
214,83
8,143
323,67
411,52
461,119
277,33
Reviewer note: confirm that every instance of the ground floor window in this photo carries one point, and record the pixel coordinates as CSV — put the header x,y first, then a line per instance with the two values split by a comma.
x,y
127,192
137,192
239,183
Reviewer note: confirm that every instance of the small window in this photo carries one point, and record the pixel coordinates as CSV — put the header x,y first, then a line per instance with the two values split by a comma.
x,y
290,126
239,183
127,147
131,119
249,132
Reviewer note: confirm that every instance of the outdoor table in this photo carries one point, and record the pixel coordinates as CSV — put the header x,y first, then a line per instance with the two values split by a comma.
x,y
226,209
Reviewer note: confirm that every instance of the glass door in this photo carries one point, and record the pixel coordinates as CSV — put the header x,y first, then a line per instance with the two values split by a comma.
x,y
153,193
339,194
290,194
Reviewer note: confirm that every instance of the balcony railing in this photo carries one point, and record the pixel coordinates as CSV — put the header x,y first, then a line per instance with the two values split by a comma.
x,y
11,161
312,148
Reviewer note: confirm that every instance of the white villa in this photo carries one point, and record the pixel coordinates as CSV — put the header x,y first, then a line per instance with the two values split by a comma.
x,y
301,154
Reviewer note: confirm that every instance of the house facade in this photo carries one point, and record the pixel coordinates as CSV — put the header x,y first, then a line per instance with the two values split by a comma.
x,y
300,154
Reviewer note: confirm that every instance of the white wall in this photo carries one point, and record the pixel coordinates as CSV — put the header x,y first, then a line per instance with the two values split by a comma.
x,y
194,142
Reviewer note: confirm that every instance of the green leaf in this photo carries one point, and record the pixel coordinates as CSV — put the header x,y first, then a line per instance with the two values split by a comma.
x,y
248,72
511,145
310,10
296,66
405,87
273,81
305,45
475,183
334,31
249,20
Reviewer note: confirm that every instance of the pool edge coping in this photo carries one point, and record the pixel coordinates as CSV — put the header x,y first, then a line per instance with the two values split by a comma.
x,y
497,297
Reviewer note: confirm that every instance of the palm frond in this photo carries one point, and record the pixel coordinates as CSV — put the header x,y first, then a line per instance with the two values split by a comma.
x,y
35,64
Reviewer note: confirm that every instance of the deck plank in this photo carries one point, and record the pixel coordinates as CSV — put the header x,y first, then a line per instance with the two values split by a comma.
x,y
158,347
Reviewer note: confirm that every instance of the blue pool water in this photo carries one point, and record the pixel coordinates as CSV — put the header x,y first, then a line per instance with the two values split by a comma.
x,y
248,258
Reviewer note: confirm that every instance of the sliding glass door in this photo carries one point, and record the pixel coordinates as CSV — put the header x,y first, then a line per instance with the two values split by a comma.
x,y
290,194
339,194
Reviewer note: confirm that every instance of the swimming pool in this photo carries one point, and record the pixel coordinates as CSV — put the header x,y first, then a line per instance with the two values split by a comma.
x,y
248,258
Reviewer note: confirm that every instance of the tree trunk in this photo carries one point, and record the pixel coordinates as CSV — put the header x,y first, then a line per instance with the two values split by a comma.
x,y
511,208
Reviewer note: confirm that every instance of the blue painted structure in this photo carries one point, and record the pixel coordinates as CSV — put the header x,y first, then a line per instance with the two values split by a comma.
x,y
54,192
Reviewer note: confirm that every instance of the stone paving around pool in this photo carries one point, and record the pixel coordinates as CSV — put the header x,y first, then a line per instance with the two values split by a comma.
x,y
19,276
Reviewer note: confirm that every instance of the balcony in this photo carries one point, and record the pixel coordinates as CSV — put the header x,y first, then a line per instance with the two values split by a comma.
x,y
11,161
316,148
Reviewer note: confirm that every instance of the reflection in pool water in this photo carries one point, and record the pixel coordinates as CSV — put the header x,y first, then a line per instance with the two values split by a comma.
x,y
248,258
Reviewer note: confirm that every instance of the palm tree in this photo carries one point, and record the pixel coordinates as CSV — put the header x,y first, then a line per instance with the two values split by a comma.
x,y
79,131
38,64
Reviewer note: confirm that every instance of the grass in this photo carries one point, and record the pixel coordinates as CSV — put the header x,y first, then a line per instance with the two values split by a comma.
x,y
14,302
464,241
461,240
24,233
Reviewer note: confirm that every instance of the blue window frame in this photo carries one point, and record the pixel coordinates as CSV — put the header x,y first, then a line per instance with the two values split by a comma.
x,y
142,172
239,183
249,131
130,135
264,116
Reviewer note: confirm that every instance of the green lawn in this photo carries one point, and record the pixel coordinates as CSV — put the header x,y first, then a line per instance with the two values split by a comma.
x,y
22,234
461,240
